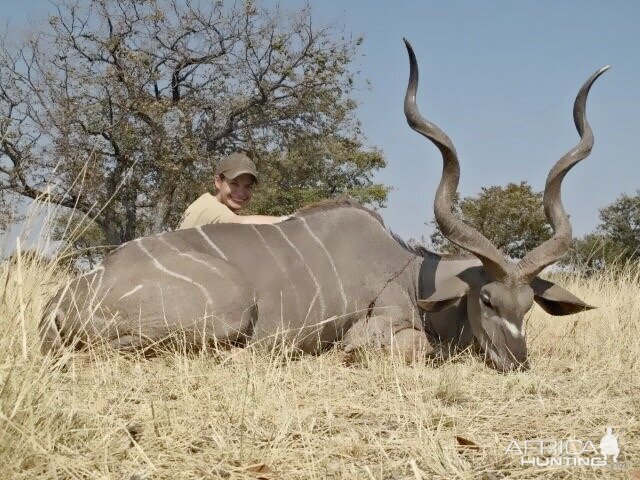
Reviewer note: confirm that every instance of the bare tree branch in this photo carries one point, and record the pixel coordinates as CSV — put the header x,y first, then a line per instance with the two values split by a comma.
x,y
133,103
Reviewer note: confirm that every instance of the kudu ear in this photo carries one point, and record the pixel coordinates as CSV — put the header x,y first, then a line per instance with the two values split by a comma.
x,y
447,294
555,299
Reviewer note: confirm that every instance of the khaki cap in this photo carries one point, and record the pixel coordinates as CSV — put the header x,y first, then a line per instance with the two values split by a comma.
x,y
235,165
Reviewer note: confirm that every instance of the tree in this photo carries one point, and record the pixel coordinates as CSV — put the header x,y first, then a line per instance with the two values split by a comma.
x,y
621,223
616,239
593,252
512,217
120,110
314,169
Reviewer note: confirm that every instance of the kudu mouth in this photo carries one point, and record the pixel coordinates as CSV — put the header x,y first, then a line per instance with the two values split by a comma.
x,y
470,239
503,361
497,267
505,364
507,355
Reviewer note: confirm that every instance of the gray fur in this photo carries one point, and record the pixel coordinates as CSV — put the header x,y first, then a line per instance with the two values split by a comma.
x,y
299,281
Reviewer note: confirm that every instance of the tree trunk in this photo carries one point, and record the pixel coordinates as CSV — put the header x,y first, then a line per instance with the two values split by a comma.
x,y
109,226
163,208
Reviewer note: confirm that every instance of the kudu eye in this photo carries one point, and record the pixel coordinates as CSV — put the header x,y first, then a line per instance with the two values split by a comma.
x,y
486,300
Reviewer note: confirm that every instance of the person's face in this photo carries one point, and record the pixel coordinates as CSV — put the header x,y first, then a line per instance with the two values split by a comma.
x,y
235,193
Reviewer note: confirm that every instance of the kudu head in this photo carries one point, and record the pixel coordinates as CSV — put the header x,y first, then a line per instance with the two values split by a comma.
x,y
500,293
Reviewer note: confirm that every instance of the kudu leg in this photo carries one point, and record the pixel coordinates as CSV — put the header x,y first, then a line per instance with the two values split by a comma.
x,y
387,333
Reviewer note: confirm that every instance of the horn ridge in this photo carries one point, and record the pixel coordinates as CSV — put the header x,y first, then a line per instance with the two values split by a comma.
x,y
454,229
553,249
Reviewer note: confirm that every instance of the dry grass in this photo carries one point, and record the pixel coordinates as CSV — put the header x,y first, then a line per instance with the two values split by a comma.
x,y
255,414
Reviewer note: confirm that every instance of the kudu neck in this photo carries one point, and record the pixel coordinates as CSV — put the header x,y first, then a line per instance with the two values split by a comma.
x,y
450,326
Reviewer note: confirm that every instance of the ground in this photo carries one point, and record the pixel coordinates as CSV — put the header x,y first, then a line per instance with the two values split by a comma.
x,y
271,415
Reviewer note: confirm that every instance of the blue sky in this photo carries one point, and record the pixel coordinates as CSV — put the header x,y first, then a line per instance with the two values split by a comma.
x,y
500,78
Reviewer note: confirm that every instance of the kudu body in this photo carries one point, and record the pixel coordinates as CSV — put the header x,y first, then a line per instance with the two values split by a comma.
x,y
330,273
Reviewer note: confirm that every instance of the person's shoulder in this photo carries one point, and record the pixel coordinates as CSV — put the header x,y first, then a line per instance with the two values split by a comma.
x,y
219,211
204,202
193,215
205,199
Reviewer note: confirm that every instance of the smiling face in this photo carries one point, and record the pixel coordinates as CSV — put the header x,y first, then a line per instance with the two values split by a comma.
x,y
235,193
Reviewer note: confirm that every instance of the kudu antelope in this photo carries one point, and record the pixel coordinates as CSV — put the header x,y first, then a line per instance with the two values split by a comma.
x,y
330,273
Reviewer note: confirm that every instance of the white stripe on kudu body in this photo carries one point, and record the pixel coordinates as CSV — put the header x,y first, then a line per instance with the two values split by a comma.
x,y
264,242
131,292
333,265
164,269
281,266
191,257
313,277
211,244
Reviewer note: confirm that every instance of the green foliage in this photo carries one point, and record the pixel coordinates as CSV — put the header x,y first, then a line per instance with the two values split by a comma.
x,y
512,217
315,168
593,252
616,239
621,223
121,110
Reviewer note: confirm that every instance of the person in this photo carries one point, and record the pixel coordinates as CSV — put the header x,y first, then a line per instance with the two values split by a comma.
x,y
235,178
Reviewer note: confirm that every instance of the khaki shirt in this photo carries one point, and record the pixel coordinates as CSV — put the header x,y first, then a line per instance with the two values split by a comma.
x,y
206,209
